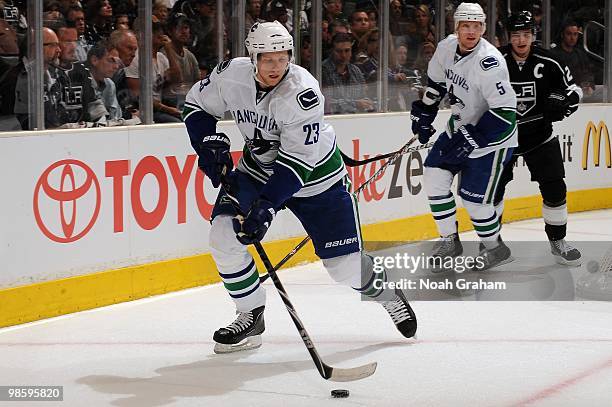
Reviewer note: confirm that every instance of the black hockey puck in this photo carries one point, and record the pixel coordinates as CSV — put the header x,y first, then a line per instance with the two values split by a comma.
x,y
339,393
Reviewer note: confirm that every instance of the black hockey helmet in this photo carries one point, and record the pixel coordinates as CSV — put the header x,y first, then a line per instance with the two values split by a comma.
x,y
523,20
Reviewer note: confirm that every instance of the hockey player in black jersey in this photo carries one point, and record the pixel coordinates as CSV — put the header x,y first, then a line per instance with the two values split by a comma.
x,y
546,93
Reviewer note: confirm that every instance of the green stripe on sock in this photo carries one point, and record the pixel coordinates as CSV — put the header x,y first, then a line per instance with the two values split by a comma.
x,y
442,207
241,285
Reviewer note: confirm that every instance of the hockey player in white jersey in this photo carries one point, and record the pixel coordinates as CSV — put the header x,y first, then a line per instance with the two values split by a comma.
x,y
290,160
479,136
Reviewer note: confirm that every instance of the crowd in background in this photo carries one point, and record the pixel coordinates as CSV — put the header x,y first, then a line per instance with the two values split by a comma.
x,y
91,74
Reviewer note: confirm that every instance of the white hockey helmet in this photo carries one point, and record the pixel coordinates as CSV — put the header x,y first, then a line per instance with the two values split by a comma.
x,y
470,12
268,37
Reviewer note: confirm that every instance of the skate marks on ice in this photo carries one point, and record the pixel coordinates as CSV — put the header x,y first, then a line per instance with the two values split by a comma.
x,y
226,376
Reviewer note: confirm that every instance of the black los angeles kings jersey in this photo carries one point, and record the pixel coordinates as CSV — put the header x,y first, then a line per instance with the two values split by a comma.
x,y
533,80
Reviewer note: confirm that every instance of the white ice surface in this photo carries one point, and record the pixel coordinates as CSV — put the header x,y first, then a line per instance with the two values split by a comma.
x,y
158,351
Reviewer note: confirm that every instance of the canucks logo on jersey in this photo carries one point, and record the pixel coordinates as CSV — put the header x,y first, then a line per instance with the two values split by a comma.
x,y
307,99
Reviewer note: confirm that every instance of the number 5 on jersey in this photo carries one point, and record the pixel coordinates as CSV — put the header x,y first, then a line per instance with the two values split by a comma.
x,y
312,133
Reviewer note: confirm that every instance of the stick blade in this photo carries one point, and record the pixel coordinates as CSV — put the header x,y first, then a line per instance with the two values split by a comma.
x,y
351,374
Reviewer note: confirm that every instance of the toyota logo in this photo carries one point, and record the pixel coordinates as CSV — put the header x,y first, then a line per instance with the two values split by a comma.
x,y
65,183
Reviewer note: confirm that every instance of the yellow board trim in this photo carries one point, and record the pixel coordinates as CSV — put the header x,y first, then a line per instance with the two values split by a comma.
x,y
48,299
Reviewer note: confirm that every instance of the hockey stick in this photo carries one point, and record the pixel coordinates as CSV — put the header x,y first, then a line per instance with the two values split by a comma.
x,y
327,372
393,158
351,162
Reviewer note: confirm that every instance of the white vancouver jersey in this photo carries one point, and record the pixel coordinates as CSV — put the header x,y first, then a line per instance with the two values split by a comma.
x,y
476,83
284,125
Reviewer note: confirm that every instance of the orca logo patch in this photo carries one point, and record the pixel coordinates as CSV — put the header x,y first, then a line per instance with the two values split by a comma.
x,y
488,63
307,99
223,65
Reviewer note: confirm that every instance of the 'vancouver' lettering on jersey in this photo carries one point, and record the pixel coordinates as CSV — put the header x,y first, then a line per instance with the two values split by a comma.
x,y
282,126
477,83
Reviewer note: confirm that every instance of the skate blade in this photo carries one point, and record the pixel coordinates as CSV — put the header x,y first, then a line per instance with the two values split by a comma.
x,y
252,342
564,262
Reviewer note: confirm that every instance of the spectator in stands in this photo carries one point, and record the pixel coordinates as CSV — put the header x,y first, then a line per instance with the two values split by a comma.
x,y
80,102
424,54
372,19
160,12
10,12
401,59
204,30
103,61
126,44
161,113
369,67
98,19
575,57
253,14
398,23
278,12
359,26
52,15
183,64
121,19
368,63
51,90
8,39
424,29
449,19
304,24
343,83
306,51
537,16
205,69
67,4
333,10
52,8
406,82
75,17
334,27
11,65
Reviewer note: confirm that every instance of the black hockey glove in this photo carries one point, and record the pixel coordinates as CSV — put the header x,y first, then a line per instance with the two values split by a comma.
x,y
214,157
463,142
557,107
254,226
422,117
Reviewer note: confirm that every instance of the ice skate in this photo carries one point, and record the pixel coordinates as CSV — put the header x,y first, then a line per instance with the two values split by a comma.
x,y
402,314
564,253
242,334
493,257
446,247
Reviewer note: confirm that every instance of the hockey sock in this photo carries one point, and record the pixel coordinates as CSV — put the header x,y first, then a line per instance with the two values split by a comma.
x,y
356,270
236,266
499,210
485,221
555,219
444,210
371,278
